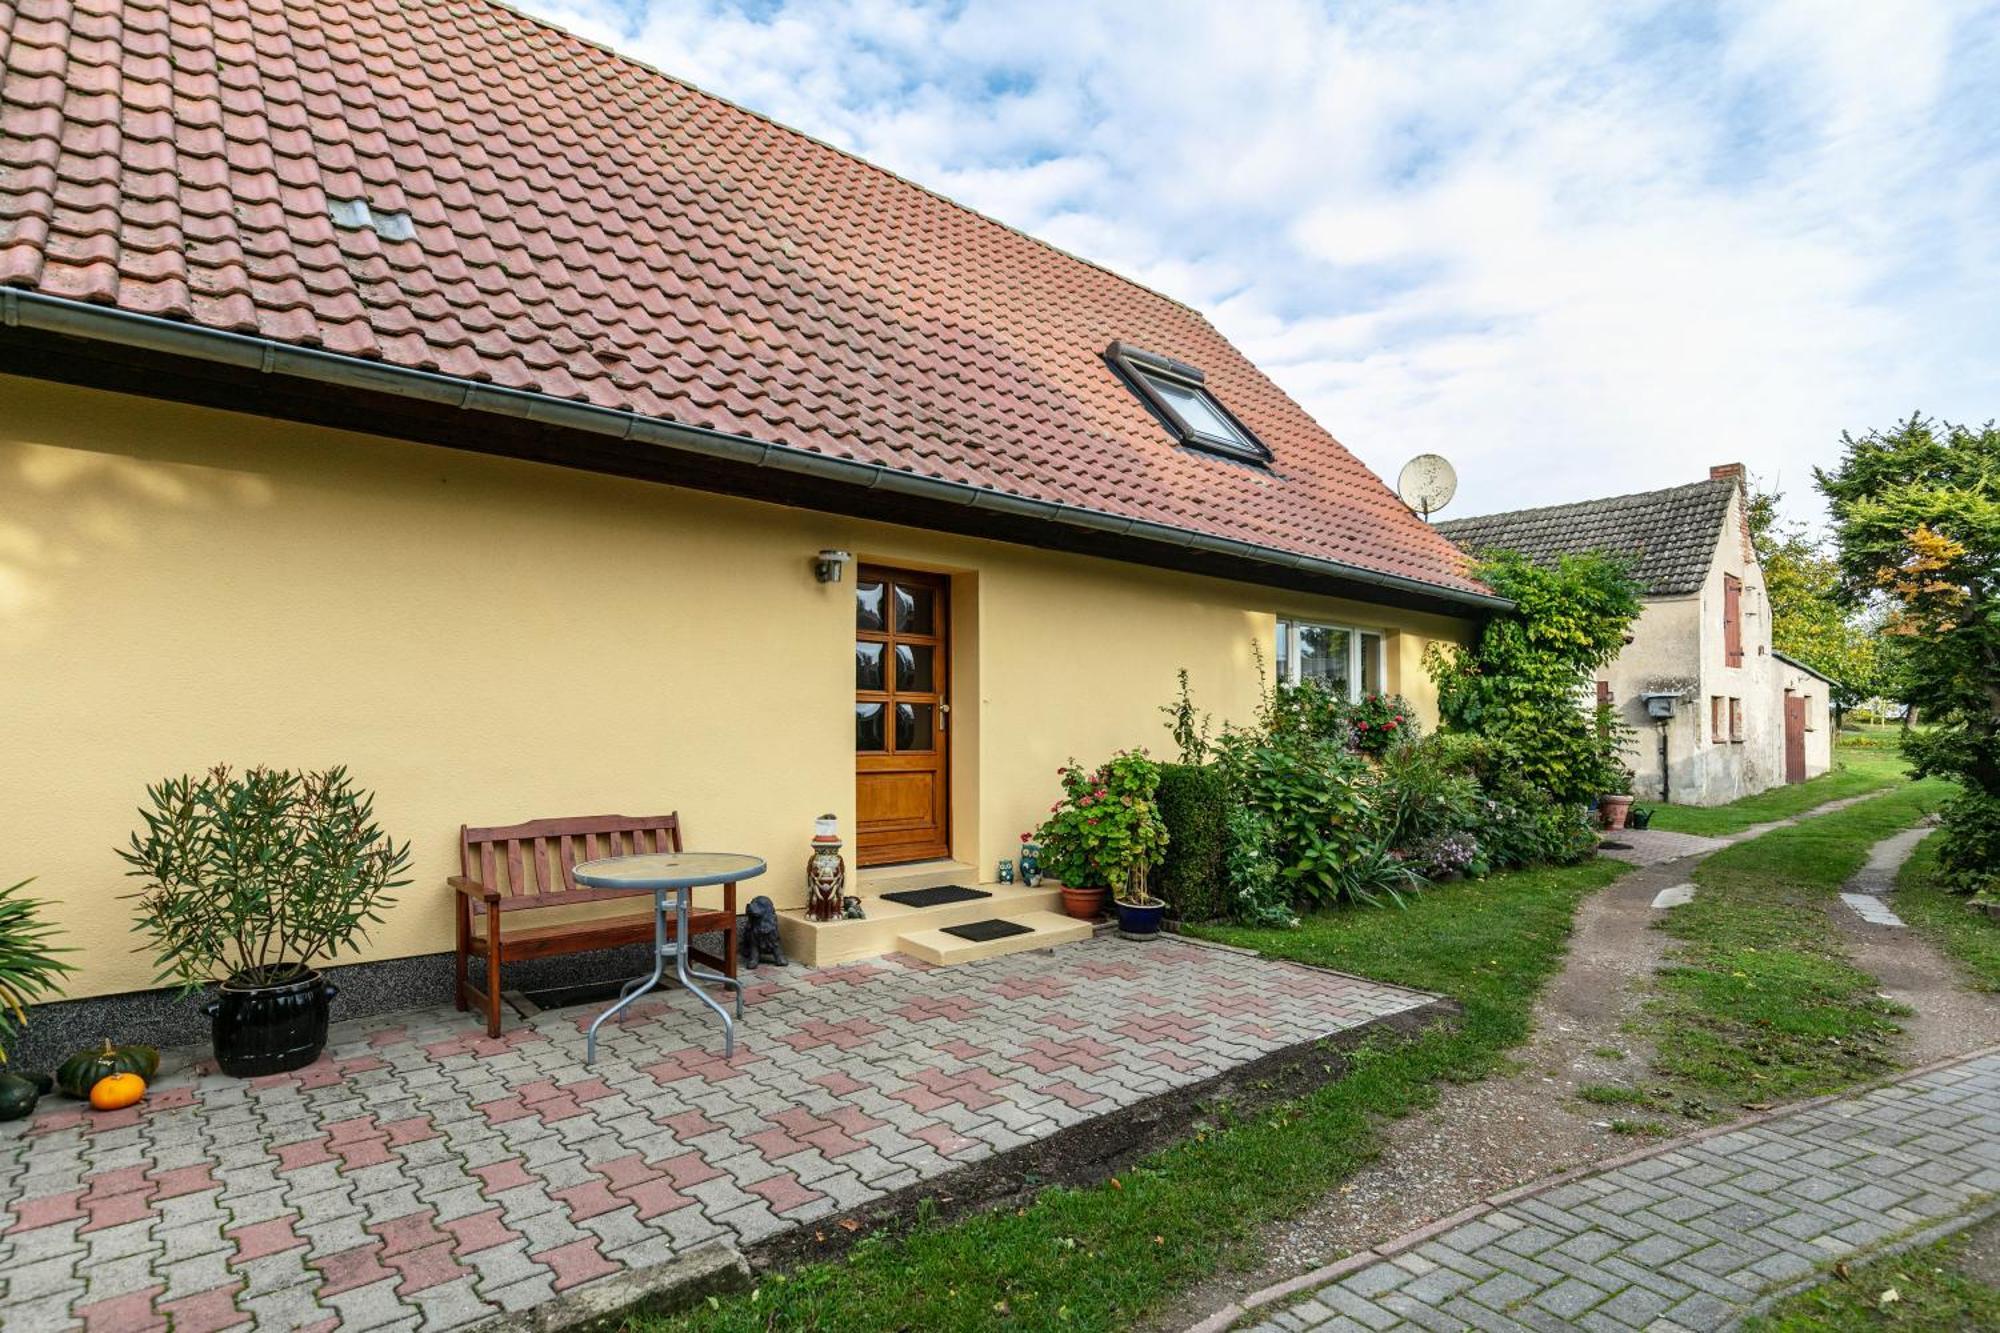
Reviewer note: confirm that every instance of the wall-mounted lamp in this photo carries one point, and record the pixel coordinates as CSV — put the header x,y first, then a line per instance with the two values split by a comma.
x,y
826,565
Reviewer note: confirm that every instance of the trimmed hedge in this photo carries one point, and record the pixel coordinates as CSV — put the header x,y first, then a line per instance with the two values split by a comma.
x,y
1194,805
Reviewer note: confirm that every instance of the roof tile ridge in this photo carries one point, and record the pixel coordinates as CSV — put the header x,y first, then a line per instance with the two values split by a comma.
x,y
876,167
1583,504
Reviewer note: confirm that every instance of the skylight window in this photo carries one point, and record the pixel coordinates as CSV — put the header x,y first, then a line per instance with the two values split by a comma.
x,y
1178,394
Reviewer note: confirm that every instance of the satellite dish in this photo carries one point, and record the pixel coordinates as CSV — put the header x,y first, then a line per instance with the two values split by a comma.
x,y
1427,484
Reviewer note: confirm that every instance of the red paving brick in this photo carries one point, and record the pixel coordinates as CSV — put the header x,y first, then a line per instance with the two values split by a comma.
x,y
576,1262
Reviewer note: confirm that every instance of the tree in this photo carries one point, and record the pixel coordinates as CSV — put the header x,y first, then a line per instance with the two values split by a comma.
x,y
1812,620
1917,515
1524,682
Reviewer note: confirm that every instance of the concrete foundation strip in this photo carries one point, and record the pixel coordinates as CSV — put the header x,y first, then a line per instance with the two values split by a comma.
x,y
1228,1316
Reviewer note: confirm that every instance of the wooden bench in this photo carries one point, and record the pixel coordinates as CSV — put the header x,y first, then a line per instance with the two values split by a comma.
x,y
515,868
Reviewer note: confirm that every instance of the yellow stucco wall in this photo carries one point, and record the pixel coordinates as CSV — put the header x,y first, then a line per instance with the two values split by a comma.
x,y
481,640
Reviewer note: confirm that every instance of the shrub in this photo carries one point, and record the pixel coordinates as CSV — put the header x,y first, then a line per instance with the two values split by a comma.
x,y
1443,855
1187,725
1422,789
1969,852
1380,722
1518,684
1106,828
1194,806
1257,897
1309,791
29,968
260,875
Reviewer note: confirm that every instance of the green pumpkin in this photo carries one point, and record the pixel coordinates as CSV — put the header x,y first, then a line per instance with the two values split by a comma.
x,y
77,1075
17,1096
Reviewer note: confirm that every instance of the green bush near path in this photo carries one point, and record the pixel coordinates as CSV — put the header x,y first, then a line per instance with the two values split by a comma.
x,y
1971,939
1102,1257
1856,771
1760,1002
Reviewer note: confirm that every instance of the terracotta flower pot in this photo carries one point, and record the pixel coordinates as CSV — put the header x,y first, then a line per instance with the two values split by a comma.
x,y
1613,810
1084,904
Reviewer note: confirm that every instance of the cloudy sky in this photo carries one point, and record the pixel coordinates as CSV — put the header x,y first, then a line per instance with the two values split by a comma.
x,y
1577,248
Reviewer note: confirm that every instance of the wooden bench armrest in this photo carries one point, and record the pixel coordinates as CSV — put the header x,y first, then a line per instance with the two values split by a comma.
x,y
472,888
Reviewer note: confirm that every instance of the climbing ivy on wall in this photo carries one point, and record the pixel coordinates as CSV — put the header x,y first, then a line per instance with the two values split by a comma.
x,y
1524,682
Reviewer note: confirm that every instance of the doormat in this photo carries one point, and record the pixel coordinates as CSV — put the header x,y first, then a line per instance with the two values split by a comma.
x,y
978,931
946,893
1614,846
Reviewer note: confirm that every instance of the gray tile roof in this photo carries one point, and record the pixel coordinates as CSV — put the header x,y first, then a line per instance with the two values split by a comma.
x,y
1670,535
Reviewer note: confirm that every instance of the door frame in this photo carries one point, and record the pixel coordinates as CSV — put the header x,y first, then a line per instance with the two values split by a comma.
x,y
923,846
1795,736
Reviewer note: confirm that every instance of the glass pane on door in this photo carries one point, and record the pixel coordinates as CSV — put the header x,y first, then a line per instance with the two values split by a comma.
x,y
868,727
913,726
868,666
913,667
914,611
868,606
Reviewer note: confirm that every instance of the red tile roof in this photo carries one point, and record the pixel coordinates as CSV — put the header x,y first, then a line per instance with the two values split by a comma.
x,y
589,228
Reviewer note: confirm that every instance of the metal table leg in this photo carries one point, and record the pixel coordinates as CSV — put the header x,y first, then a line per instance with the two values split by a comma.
x,y
690,974
638,986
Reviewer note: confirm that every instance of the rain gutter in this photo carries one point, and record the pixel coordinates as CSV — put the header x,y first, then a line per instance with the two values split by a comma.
x,y
105,324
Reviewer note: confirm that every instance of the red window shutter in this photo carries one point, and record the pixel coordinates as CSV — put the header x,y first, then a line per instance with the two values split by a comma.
x,y
1603,693
1732,620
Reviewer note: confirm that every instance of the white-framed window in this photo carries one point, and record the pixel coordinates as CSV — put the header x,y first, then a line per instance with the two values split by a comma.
x,y
1342,659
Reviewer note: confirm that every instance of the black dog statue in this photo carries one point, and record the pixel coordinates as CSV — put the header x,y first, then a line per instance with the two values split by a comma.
x,y
759,944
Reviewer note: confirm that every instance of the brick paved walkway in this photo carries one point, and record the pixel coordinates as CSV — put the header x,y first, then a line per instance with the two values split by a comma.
x,y
425,1176
1693,1237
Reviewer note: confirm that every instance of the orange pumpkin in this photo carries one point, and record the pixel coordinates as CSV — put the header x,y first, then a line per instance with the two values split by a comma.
x,y
114,1092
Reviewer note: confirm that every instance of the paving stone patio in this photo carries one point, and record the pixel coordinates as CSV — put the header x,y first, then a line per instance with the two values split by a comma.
x,y
425,1176
1692,1238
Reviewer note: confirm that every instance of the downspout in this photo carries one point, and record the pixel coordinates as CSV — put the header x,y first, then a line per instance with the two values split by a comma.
x,y
1666,774
105,324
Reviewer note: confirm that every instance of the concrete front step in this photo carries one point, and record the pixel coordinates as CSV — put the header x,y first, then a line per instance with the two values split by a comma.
x,y
1045,930
824,943
877,880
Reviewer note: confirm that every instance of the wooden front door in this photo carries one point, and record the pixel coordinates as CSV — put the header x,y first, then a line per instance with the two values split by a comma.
x,y
902,668
1795,738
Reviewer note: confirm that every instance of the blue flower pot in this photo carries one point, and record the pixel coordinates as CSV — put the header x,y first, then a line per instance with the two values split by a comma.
x,y
1141,922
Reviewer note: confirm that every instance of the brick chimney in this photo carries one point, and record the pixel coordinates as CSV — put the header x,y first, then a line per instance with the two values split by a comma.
x,y
1726,472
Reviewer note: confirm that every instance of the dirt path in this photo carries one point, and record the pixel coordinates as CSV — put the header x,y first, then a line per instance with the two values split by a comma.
x,y
1503,1131
1481,1138
1950,1018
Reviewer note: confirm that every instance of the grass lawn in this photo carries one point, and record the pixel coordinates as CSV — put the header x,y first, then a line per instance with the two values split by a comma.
x,y
1930,1289
1970,939
1760,1002
1098,1258
1856,770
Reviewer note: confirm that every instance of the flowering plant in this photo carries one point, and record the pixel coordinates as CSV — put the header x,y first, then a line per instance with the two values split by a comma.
x,y
1380,720
1106,829
1443,856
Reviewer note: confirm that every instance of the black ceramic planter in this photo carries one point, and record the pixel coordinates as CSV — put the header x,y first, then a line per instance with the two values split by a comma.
x,y
263,1029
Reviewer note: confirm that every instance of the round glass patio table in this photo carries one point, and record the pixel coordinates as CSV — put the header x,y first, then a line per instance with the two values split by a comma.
x,y
679,874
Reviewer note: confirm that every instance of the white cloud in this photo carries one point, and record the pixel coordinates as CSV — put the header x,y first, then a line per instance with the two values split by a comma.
x,y
1577,248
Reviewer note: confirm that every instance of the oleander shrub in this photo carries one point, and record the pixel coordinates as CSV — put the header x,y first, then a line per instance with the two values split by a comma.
x,y
1423,789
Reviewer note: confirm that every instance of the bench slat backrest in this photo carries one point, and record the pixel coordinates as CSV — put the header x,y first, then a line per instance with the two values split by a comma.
x,y
533,864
